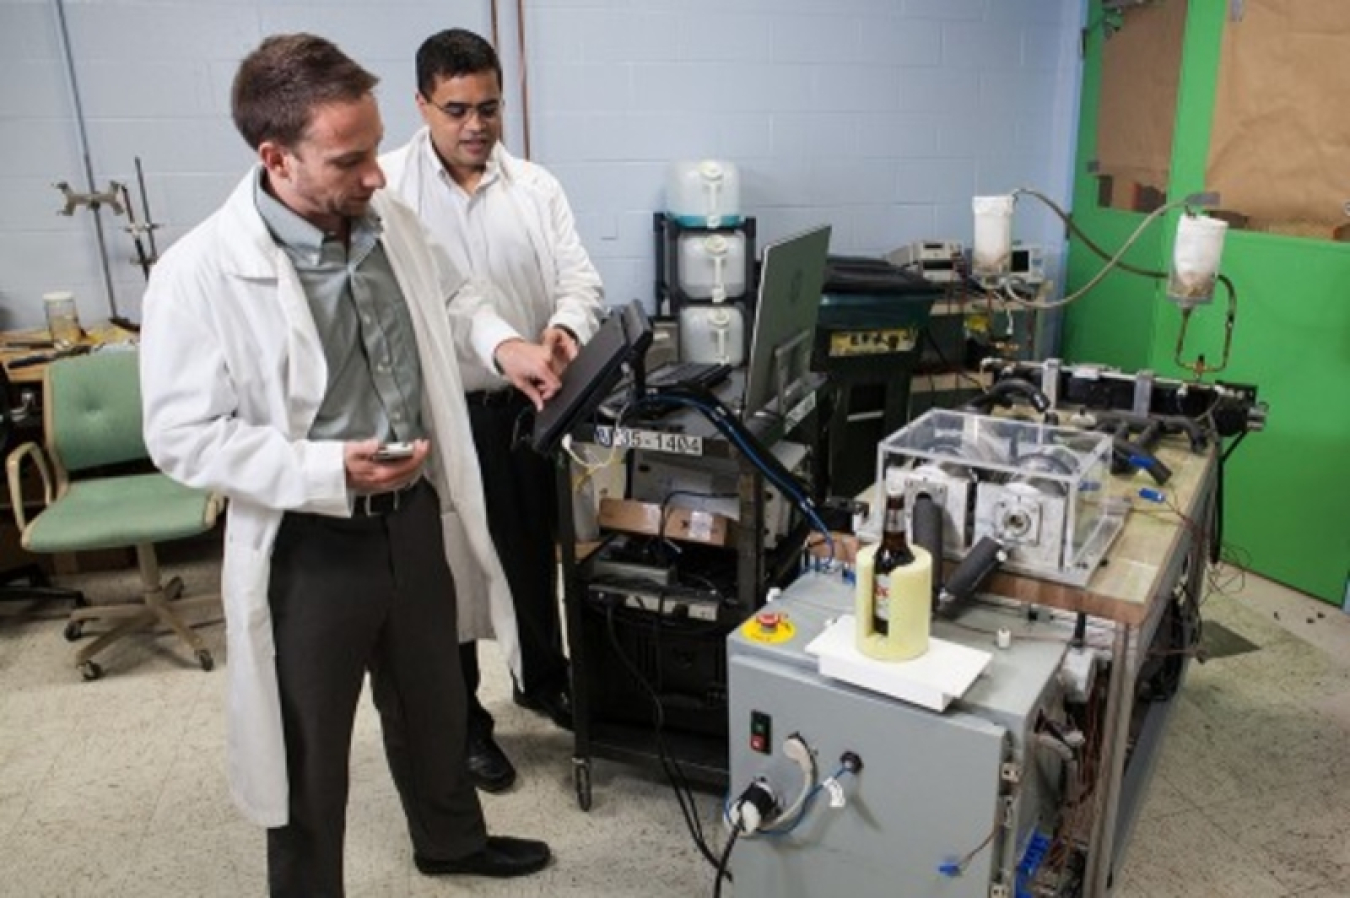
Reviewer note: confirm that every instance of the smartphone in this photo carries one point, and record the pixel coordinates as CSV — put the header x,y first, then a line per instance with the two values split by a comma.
x,y
393,452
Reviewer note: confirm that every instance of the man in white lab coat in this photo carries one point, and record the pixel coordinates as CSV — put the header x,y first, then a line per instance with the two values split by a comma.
x,y
505,221
284,340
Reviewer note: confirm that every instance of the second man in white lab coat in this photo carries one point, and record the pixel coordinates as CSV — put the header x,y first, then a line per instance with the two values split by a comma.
x,y
506,222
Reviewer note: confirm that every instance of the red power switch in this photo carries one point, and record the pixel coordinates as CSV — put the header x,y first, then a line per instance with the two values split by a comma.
x,y
761,731
768,621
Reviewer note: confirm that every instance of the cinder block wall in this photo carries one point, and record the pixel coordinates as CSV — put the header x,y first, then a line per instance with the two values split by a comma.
x,y
881,117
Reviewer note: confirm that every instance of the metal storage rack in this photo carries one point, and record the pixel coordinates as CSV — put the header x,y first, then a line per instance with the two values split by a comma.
x,y
635,643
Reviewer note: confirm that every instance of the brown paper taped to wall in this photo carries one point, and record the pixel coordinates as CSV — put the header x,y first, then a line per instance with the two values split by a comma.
x,y
1141,68
1280,148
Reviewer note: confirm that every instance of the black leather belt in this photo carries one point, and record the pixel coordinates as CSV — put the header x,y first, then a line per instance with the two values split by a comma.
x,y
372,505
504,397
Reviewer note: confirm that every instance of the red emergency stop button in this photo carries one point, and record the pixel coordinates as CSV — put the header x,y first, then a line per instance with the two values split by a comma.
x,y
768,621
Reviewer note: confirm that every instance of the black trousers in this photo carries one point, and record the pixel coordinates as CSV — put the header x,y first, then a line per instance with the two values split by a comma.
x,y
522,510
371,594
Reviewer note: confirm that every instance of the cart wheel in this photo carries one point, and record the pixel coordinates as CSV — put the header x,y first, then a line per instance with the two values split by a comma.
x,y
205,660
91,670
74,630
581,778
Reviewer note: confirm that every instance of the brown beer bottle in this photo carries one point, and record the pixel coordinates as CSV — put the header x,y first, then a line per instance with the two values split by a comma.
x,y
893,553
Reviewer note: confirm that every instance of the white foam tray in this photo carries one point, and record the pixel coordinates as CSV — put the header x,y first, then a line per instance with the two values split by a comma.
x,y
932,680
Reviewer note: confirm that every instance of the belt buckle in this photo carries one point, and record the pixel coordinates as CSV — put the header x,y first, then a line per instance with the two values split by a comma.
x,y
368,502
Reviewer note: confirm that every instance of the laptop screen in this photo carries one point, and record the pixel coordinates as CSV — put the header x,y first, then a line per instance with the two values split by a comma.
x,y
792,273
623,337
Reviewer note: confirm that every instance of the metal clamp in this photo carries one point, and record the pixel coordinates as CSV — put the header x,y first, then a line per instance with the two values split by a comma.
x,y
110,198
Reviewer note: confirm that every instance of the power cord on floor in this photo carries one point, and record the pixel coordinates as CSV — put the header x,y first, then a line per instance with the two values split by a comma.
x,y
724,874
684,793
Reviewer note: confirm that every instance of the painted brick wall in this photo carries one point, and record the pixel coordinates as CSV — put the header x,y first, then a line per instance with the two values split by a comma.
x,y
881,117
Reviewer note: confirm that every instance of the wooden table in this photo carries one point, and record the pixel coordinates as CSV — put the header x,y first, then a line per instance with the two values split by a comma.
x,y
36,343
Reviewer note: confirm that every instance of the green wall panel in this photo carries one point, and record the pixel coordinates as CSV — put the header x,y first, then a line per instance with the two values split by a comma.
x,y
1114,323
1288,493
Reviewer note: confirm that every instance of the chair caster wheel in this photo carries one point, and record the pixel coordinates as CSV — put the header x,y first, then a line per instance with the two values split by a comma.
x,y
205,660
91,670
74,630
581,780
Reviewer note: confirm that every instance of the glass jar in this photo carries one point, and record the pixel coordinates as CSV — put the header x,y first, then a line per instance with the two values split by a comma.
x,y
63,318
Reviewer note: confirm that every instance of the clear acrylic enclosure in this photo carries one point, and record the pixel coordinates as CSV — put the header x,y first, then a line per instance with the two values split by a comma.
x,y
1039,489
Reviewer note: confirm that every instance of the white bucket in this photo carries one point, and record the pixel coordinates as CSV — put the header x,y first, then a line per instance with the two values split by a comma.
x,y
992,252
713,334
704,194
1195,260
712,266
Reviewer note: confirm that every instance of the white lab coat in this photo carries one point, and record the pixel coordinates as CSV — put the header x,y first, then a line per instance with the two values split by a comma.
x,y
574,295
233,374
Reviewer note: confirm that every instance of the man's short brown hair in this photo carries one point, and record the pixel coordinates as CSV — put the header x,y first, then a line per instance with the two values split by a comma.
x,y
279,85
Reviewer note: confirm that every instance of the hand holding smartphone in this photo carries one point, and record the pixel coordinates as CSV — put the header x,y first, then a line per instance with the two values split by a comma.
x,y
393,452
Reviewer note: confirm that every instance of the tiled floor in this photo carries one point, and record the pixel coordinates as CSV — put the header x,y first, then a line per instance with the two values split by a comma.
x,y
1252,797
116,788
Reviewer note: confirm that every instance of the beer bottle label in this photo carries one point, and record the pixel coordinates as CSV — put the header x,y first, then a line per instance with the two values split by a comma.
x,y
881,597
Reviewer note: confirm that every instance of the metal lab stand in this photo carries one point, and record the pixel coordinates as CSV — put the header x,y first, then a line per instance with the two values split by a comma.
x,y
701,752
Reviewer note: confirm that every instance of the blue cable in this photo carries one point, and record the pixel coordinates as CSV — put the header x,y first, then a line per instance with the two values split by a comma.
x,y
806,806
801,814
719,419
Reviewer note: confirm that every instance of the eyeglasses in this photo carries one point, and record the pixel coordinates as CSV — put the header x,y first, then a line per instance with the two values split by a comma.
x,y
487,111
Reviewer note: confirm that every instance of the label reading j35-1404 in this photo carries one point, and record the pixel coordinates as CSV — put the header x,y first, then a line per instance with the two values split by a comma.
x,y
655,441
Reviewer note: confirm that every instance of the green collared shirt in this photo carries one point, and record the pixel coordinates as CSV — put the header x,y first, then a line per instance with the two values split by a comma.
x,y
374,375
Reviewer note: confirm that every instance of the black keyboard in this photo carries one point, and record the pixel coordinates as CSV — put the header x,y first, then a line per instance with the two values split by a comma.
x,y
692,374
703,374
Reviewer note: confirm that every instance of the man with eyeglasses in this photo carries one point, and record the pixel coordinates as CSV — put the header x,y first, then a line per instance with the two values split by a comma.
x,y
507,222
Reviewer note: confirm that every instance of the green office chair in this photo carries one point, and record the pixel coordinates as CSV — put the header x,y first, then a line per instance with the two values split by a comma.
x,y
97,497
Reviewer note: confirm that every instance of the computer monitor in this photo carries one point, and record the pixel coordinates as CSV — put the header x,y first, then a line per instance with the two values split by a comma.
x,y
622,338
792,273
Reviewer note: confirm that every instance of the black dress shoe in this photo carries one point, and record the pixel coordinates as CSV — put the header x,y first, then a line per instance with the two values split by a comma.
x,y
502,857
555,702
489,767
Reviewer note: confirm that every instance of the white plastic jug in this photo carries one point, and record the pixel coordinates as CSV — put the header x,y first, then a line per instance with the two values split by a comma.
x,y
712,333
993,235
712,266
1195,260
704,194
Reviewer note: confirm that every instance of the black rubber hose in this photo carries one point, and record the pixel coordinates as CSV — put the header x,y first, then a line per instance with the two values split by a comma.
x,y
1126,456
980,562
998,395
1195,433
926,531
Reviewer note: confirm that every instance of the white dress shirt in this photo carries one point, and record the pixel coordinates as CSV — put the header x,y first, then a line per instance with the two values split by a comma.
x,y
516,234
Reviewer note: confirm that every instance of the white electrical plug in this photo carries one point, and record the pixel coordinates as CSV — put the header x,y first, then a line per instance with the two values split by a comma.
x,y
749,811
